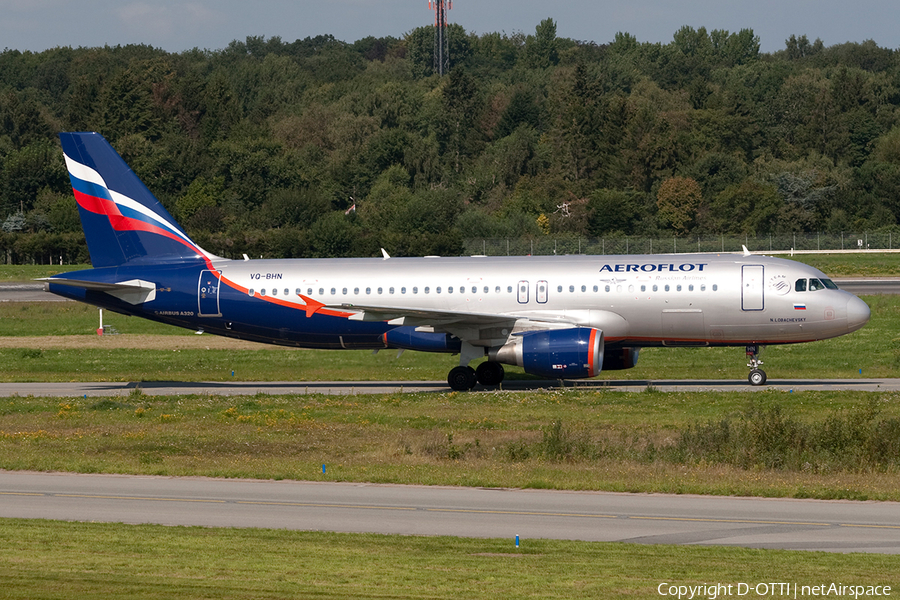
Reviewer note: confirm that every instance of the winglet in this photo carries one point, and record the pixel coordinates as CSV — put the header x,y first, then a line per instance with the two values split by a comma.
x,y
385,254
746,252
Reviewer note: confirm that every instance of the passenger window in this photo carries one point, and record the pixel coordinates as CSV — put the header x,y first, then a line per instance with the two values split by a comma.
x,y
403,290
344,291
584,288
274,291
250,292
474,289
667,287
486,289
497,290
571,288
630,289
368,291
691,288
596,288
333,292
655,288
715,287
509,289
287,292
559,289
438,289
678,288
380,291
643,288
356,291
427,289
702,287
262,292
606,288
800,285
321,291
299,291
450,290
391,291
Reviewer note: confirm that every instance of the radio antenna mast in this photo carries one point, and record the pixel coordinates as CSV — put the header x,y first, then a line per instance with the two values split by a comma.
x,y
441,47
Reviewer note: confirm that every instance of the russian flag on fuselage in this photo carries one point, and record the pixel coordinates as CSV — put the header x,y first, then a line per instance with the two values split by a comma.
x,y
122,219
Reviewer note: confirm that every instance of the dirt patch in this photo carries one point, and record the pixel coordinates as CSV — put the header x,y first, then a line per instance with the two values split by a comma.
x,y
121,341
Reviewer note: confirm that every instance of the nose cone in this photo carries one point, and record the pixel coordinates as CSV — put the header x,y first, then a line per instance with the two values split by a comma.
x,y
857,313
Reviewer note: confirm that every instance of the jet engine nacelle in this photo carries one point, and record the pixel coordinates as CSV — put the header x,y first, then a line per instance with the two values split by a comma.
x,y
559,353
616,359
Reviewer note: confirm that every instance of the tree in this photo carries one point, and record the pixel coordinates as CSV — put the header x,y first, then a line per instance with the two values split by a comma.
x,y
462,106
677,201
542,49
613,211
748,207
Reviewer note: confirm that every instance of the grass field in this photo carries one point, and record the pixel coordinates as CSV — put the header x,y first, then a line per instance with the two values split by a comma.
x,y
572,439
563,439
874,264
53,341
46,560
851,265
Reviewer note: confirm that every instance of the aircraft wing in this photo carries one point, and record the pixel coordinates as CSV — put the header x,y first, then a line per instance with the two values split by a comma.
x,y
475,328
398,315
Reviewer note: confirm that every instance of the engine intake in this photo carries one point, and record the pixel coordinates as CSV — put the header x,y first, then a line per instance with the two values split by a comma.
x,y
558,354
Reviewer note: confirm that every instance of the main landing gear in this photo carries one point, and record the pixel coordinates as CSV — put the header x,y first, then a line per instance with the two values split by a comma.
x,y
757,376
464,378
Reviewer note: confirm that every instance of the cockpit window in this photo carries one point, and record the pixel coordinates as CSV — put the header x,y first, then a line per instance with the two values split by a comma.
x,y
814,285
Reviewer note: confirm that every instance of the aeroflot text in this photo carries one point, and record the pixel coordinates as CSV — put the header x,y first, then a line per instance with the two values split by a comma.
x,y
770,590
653,268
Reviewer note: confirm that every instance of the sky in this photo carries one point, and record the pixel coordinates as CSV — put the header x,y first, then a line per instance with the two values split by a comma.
x,y
178,25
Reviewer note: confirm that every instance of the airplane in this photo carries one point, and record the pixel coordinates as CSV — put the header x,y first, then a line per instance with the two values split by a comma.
x,y
558,317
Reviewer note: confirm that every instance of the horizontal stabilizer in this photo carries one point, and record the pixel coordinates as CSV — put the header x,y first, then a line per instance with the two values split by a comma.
x,y
133,291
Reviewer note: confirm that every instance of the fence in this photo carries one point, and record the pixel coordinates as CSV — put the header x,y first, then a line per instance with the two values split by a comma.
x,y
666,245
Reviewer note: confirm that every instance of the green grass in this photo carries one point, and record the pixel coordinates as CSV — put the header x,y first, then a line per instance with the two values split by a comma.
x,y
875,349
571,439
45,560
874,264
22,273
851,265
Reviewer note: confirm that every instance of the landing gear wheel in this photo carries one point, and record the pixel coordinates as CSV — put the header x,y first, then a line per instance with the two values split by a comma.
x,y
489,373
461,379
757,377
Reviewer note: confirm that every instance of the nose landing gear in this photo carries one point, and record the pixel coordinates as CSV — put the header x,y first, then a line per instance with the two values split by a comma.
x,y
757,376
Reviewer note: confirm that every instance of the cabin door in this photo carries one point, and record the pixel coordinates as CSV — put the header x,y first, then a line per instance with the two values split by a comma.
x,y
752,287
208,294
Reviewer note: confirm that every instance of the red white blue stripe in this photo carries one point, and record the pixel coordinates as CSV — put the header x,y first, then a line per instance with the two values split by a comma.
x,y
125,214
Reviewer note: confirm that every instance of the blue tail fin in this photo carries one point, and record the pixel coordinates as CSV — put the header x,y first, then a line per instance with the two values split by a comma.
x,y
123,222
